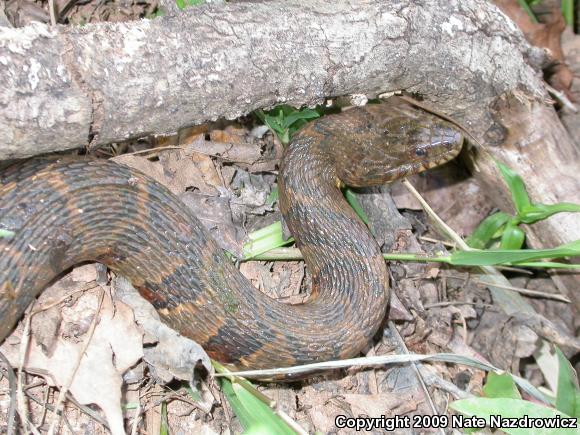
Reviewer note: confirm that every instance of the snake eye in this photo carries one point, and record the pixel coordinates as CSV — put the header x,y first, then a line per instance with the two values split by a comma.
x,y
420,152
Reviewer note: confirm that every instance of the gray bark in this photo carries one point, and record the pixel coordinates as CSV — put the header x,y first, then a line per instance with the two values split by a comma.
x,y
67,87
70,86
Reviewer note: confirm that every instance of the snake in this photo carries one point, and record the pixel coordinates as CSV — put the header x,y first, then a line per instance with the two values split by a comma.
x,y
57,213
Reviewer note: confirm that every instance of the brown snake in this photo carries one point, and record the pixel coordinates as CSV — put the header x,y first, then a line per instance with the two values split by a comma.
x,y
65,212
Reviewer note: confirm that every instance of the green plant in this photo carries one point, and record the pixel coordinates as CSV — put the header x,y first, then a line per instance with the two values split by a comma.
x,y
567,7
525,5
264,240
254,410
502,398
6,234
182,4
504,228
164,427
285,120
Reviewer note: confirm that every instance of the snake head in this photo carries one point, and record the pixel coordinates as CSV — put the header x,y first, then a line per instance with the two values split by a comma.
x,y
393,142
419,144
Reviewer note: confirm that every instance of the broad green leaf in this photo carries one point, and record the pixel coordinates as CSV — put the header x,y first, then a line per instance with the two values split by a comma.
x,y
273,123
491,257
512,238
255,416
567,394
512,408
285,120
516,186
487,229
305,113
268,230
537,212
498,386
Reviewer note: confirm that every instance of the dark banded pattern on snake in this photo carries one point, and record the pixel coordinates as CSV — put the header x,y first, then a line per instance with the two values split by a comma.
x,y
66,212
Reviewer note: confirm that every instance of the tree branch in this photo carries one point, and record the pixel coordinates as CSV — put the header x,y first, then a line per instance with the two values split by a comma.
x,y
70,86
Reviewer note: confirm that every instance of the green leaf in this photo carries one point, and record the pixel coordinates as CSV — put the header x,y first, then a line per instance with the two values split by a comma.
x,y
285,120
164,428
487,229
353,202
511,408
272,197
568,390
303,114
513,237
568,12
6,234
516,185
537,212
498,386
182,4
491,257
265,239
255,416
548,265
525,6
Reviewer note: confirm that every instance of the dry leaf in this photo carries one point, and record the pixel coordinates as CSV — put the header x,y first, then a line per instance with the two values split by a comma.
x,y
174,356
545,35
115,346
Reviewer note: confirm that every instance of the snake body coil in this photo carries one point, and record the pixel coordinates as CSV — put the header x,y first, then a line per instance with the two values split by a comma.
x,y
65,212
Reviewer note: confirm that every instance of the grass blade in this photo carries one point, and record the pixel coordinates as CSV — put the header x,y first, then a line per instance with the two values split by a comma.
x,y
567,395
511,408
501,385
537,212
526,7
568,12
265,239
353,202
517,187
487,229
492,257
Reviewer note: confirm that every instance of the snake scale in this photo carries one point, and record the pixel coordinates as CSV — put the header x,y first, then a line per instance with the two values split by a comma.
x,y
63,212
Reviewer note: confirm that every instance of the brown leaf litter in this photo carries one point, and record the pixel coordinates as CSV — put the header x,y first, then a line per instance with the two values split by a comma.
x,y
545,35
